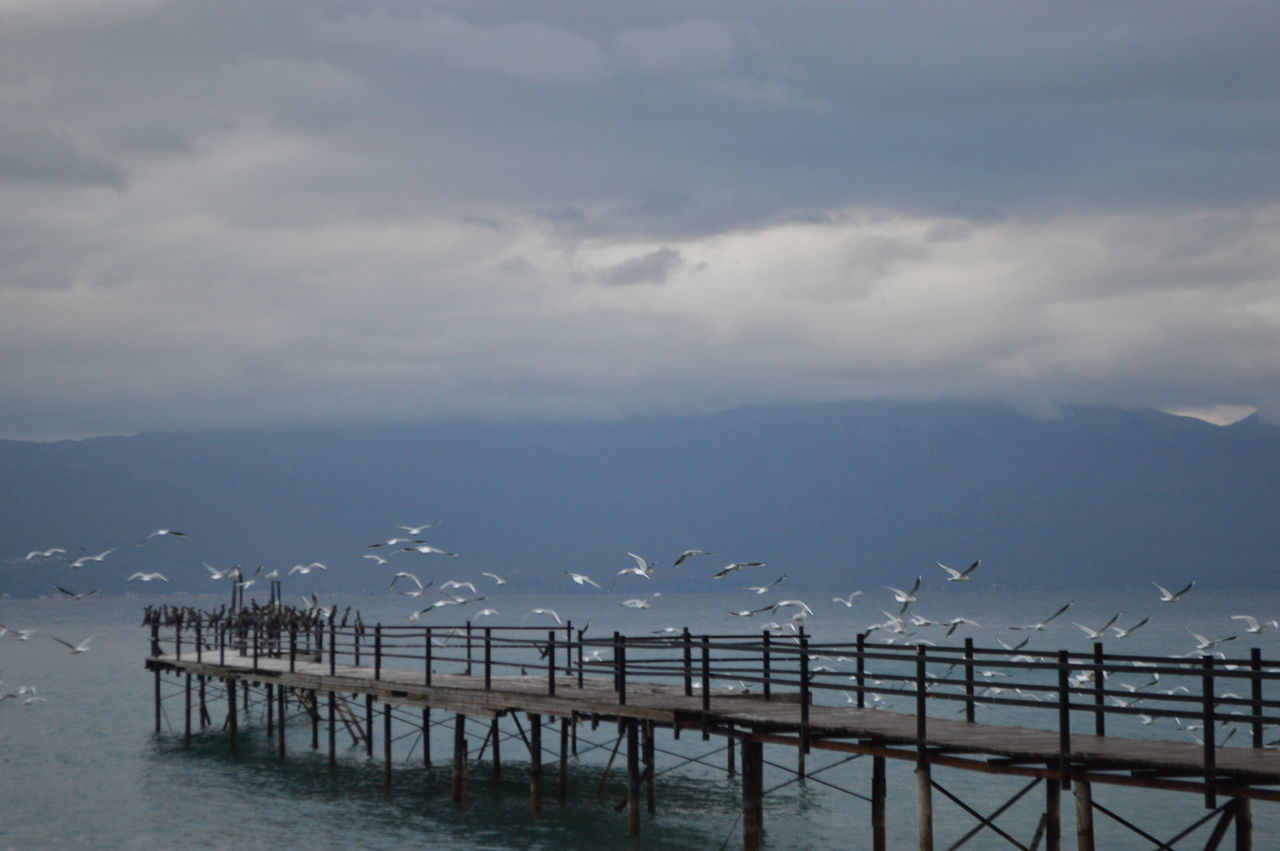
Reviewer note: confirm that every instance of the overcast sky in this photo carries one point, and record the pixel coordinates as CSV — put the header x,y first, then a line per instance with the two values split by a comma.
x,y
243,214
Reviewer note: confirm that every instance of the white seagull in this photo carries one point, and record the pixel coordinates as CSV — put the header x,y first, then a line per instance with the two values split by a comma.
x,y
1039,627
73,595
160,532
580,578
548,612
1253,625
214,573
83,560
954,575
147,577
760,589
415,531
407,575
82,647
497,580
428,549
737,565
377,559
49,553
906,598
848,601
1125,633
642,602
1167,596
1095,634
452,584
304,569
688,554
642,568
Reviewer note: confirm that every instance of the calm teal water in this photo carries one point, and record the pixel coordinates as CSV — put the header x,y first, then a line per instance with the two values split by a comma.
x,y
83,769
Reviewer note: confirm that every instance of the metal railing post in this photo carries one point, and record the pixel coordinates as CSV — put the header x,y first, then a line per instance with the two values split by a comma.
x,y
766,664
688,662
1255,693
970,691
1064,718
1207,694
488,658
551,662
1099,686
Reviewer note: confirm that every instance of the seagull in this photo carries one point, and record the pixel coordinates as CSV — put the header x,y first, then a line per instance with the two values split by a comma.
x,y
214,573
415,531
304,569
497,580
799,604
954,575
159,532
485,612
1167,596
248,583
377,559
1039,627
1100,632
580,578
737,565
642,602
83,560
1253,625
147,577
954,624
49,553
549,612
642,568
760,589
395,542
407,575
437,604
452,584
1125,633
73,595
82,647
1203,643
427,548
20,634
746,613
906,598
688,554
848,601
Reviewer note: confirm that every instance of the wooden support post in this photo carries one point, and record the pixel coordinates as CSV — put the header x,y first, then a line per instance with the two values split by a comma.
x,y
457,788
1084,815
752,794
564,761
730,767
496,737
1064,718
1255,694
1244,825
271,711
535,764
282,703
687,640
186,714
970,706
1052,813
650,782
157,700
879,790
333,729
386,745
368,725
232,728
1207,730
1099,685
315,720
924,803
633,779
204,709
426,735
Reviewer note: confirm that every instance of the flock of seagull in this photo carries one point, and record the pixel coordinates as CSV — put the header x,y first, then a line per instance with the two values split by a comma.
x,y
902,623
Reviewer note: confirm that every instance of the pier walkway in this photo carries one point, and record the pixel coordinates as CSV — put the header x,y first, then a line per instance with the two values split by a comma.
x,y
758,690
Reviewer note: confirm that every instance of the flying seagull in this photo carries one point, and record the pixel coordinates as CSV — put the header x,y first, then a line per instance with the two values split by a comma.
x,y
82,647
1125,633
954,575
49,553
497,580
848,601
642,568
1252,624
415,531
580,578
147,577
160,532
1167,596
547,612
1095,634
760,589
427,548
906,598
73,595
85,559
642,602
377,559
1039,627
688,554
737,565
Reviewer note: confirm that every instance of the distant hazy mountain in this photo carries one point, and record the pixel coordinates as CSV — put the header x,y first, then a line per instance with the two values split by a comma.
x,y
837,496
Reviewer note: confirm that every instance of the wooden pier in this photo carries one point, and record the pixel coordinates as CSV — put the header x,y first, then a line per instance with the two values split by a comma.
x,y
753,691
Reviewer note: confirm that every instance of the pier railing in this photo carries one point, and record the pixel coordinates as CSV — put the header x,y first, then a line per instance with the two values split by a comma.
x,y
1210,698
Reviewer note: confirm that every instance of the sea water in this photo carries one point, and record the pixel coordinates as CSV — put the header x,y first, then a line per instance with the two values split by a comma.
x,y
82,768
